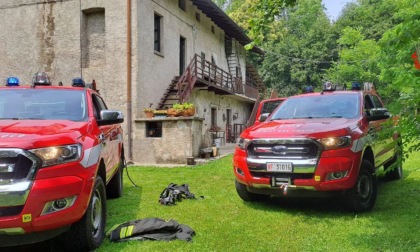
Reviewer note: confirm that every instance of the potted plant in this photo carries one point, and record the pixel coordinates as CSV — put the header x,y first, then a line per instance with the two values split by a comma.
x,y
188,108
160,113
176,110
149,111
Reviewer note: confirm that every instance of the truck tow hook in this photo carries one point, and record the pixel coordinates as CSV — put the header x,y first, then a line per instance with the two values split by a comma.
x,y
284,187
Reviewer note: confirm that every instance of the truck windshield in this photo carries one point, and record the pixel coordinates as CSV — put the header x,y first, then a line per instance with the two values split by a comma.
x,y
42,104
319,106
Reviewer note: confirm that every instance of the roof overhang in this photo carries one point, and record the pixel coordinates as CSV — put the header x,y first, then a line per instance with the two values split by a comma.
x,y
219,17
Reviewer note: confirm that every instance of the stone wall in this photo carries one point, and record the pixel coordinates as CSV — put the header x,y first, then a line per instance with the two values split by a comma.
x,y
181,138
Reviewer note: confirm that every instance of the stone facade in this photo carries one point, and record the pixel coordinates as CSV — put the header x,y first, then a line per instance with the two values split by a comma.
x,y
88,38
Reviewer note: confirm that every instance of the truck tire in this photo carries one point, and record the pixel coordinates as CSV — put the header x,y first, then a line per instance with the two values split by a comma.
x,y
394,169
245,195
89,232
362,197
114,189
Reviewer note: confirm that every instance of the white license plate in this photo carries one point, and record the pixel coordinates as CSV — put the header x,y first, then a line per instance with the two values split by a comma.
x,y
279,167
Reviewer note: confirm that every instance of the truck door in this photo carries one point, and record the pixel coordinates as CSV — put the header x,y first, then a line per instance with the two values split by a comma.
x,y
380,131
108,137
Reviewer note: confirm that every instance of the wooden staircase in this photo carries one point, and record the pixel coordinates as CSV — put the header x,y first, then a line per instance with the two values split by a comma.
x,y
180,88
170,96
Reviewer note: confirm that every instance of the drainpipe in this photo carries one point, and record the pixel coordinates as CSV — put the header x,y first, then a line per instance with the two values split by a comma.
x,y
129,108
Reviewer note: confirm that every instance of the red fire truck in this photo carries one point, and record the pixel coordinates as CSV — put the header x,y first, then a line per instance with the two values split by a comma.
x,y
61,156
328,143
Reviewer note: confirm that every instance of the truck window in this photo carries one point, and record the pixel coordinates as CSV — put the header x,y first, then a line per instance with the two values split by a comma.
x,y
270,106
329,106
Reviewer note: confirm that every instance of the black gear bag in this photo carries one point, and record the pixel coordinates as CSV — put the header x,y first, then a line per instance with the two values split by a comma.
x,y
174,193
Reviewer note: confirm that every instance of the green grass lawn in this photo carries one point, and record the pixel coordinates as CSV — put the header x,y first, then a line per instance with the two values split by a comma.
x,y
223,222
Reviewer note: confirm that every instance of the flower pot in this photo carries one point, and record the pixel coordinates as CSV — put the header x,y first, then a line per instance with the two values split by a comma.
x,y
189,112
149,114
173,112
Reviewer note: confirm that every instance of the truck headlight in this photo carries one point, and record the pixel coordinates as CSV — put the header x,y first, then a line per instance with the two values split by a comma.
x,y
242,143
58,154
331,143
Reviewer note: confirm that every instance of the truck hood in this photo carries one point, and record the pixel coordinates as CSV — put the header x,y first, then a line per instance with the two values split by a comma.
x,y
312,128
29,134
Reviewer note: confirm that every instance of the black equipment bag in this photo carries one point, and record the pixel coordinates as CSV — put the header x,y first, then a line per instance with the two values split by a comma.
x,y
174,193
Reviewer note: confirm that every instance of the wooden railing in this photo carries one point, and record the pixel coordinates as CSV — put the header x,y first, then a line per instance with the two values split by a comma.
x,y
212,75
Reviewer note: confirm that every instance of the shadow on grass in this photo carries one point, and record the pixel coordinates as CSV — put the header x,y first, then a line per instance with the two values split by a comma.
x,y
319,206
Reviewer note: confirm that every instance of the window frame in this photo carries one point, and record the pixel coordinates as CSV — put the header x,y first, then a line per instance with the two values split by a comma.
x,y
158,33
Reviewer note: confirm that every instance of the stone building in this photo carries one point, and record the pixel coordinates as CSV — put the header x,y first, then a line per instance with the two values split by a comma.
x,y
140,53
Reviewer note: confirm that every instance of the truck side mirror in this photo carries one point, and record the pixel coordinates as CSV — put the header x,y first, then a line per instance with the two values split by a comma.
x,y
110,117
263,117
377,114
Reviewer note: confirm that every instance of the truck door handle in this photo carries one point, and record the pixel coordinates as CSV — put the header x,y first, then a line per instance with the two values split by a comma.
x,y
101,137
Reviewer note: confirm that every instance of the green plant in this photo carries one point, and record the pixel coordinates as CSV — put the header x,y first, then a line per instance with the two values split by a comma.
x,y
188,105
178,107
160,112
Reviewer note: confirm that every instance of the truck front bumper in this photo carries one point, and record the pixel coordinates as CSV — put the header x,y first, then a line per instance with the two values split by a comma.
x,y
307,175
46,210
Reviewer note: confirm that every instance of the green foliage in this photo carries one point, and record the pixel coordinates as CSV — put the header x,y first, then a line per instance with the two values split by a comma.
x,y
357,59
178,106
396,63
187,105
373,18
304,50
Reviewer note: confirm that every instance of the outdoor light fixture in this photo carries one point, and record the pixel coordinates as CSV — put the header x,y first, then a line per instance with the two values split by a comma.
x,y
235,116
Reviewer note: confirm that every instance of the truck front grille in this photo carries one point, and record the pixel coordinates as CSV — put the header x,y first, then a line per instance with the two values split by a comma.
x,y
17,172
301,155
284,149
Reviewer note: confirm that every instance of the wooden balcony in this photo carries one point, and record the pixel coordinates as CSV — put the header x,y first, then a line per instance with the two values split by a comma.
x,y
202,73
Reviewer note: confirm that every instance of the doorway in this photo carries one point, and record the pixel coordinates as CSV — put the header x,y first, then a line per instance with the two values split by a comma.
x,y
182,50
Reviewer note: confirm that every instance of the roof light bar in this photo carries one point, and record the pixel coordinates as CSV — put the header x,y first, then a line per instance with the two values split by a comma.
x,y
78,82
12,81
41,79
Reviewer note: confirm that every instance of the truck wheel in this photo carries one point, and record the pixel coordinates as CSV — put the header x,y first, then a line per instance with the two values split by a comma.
x,y
89,232
114,189
362,196
394,169
245,195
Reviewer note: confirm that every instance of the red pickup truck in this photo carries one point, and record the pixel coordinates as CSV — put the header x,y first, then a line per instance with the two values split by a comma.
x,y
329,143
61,155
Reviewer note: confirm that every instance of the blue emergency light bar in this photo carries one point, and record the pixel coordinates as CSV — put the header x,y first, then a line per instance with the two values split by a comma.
x,y
12,81
78,82
355,86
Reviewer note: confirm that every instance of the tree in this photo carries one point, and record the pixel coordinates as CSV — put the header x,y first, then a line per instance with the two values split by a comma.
x,y
298,54
371,17
397,68
357,59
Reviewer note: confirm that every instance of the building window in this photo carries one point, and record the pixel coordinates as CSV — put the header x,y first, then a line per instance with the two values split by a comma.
x,y
158,33
197,16
153,129
182,4
93,38
213,117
